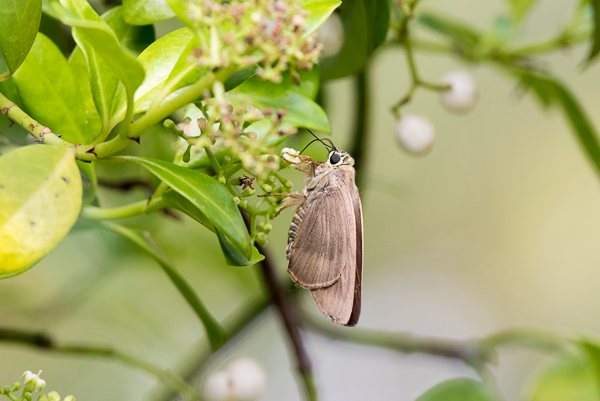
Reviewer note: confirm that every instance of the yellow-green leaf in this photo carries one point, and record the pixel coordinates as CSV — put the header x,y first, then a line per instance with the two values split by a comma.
x,y
461,389
40,199
570,377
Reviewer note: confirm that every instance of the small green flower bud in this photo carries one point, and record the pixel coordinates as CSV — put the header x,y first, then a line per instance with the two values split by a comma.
x,y
248,192
170,125
288,184
261,239
69,398
267,227
53,396
236,200
243,203
267,188
222,179
186,154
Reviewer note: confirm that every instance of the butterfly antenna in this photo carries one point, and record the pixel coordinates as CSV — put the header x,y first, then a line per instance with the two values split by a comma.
x,y
310,143
330,147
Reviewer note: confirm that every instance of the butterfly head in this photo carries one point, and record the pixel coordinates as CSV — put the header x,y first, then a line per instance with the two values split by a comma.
x,y
339,158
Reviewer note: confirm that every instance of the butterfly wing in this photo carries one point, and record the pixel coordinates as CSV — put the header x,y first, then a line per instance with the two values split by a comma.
x,y
321,234
342,300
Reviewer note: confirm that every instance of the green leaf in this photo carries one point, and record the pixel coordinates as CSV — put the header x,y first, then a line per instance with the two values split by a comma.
x,y
4,71
366,23
551,92
52,96
180,9
457,390
238,78
103,82
570,377
19,22
40,200
102,50
595,39
145,12
216,334
318,12
307,84
592,351
167,68
232,255
452,29
301,111
173,200
205,193
520,8
134,38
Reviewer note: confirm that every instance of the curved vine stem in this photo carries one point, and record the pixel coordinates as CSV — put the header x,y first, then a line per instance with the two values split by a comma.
x,y
45,342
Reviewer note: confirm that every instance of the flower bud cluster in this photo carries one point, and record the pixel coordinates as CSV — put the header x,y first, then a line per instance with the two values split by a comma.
x,y
228,128
30,384
246,160
246,33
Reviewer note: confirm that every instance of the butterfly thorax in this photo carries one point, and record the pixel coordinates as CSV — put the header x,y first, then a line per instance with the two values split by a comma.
x,y
325,175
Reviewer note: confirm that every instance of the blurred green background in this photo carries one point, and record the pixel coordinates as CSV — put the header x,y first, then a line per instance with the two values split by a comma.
x,y
497,227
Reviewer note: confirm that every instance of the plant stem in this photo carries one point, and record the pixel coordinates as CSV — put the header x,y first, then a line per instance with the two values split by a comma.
x,y
474,353
416,80
559,42
122,212
401,342
213,160
44,342
40,132
358,147
291,322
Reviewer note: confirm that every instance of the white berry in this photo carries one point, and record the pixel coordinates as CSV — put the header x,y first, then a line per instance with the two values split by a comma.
x,y
331,35
242,379
415,134
217,387
462,94
248,379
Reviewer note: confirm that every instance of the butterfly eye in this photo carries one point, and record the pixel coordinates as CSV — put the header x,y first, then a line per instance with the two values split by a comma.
x,y
334,158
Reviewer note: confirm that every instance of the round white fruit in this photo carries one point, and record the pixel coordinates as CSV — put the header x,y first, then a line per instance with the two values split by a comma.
x,y
331,35
217,387
415,134
242,379
248,379
461,96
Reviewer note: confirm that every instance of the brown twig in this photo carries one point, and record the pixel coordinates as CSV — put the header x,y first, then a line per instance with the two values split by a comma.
x,y
290,318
